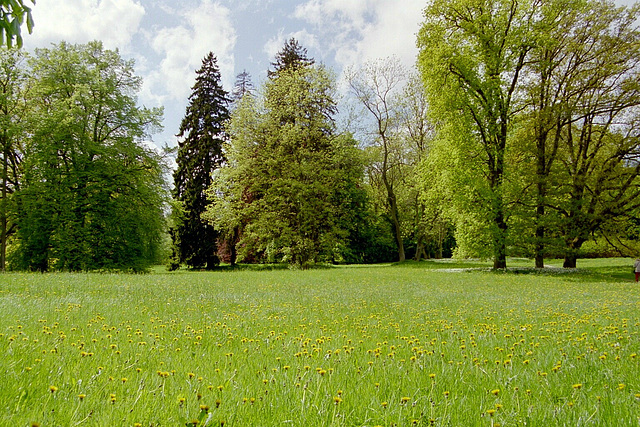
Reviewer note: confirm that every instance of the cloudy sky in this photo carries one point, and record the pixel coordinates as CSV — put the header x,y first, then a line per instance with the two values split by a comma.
x,y
169,38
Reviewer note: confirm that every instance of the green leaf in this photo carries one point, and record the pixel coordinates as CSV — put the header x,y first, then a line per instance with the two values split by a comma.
x,y
29,22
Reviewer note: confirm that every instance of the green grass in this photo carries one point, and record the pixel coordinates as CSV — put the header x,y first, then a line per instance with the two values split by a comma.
x,y
354,346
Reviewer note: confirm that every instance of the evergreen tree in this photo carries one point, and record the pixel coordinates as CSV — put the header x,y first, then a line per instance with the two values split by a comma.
x,y
199,154
242,86
292,57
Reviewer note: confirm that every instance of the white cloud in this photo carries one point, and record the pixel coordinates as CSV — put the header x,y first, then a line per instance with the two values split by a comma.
x,y
361,30
205,28
114,22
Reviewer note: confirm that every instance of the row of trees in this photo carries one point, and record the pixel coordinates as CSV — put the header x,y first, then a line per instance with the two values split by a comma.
x,y
80,188
536,105
519,136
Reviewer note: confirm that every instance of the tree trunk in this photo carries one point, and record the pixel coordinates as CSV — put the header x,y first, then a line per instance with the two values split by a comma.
x,y
420,251
499,237
396,227
571,254
233,252
393,207
570,261
3,210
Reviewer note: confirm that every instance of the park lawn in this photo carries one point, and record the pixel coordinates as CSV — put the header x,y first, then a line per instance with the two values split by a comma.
x,y
398,345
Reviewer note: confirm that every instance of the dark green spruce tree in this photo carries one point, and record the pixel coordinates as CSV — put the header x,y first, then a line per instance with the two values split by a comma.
x,y
292,57
199,154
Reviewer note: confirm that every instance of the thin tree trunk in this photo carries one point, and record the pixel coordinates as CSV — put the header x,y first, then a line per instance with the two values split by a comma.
x,y
3,210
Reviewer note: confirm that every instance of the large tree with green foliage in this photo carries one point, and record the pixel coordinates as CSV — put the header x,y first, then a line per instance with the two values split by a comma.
x,y
290,181
93,193
199,155
13,114
472,53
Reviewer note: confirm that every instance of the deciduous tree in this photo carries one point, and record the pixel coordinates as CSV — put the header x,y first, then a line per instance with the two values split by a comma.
x,y
13,114
471,56
93,193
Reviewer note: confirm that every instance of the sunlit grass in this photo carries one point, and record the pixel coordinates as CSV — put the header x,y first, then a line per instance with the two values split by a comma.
x,y
387,345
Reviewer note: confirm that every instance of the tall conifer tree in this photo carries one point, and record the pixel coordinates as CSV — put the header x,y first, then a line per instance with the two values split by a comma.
x,y
199,154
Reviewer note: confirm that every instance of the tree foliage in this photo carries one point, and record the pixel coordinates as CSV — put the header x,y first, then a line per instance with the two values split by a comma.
x,y
13,14
290,181
199,155
471,55
93,193
13,114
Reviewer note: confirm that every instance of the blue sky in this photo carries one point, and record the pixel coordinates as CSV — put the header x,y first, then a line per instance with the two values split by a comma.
x,y
169,38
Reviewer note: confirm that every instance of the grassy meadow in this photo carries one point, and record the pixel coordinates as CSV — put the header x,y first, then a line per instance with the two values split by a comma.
x,y
418,344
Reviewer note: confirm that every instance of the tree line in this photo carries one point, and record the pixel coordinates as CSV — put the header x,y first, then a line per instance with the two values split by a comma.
x,y
516,134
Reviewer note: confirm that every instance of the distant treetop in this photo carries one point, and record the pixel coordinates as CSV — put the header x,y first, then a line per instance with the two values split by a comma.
x,y
292,56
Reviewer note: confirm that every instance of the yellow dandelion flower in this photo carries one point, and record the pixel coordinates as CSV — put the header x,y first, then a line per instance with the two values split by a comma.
x,y
384,404
495,392
491,412
53,388
577,386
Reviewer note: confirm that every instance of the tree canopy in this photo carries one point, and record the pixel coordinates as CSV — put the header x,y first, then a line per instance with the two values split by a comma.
x,y
93,193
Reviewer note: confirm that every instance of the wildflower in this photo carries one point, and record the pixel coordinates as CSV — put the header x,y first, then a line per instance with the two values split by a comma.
x,y
432,376
446,394
337,400
204,408
404,400
577,386
53,388
384,404
495,392
491,412
124,380
621,387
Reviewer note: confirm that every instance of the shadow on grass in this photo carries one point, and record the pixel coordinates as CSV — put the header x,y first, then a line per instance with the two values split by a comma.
x,y
592,272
